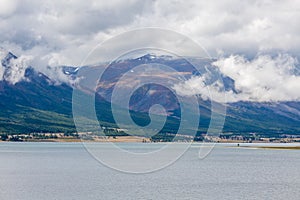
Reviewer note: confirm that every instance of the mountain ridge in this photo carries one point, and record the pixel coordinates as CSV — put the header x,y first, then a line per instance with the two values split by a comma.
x,y
36,104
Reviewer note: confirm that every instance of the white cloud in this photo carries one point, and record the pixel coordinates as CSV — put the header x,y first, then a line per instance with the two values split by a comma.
x,y
15,72
72,29
59,32
197,85
15,68
262,79
7,7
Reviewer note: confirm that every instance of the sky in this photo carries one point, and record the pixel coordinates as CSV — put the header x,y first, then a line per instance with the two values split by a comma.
x,y
241,35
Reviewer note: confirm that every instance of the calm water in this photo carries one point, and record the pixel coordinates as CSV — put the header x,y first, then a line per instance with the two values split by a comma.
x,y
42,171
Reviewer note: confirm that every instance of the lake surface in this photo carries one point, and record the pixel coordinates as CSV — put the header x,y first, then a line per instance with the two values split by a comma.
x,y
48,171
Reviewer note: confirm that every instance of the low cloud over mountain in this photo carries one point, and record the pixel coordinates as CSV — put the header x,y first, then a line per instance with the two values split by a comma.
x,y
13,69
262,79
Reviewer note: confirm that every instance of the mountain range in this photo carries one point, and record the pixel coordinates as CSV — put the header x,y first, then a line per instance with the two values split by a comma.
x,y
36,103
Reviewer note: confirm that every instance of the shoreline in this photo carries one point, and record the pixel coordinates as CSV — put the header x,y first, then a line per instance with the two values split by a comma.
x,y
121,139
271,147
138,139
90,137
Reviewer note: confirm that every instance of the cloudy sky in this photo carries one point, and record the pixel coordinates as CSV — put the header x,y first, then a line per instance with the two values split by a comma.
x,y
241,34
